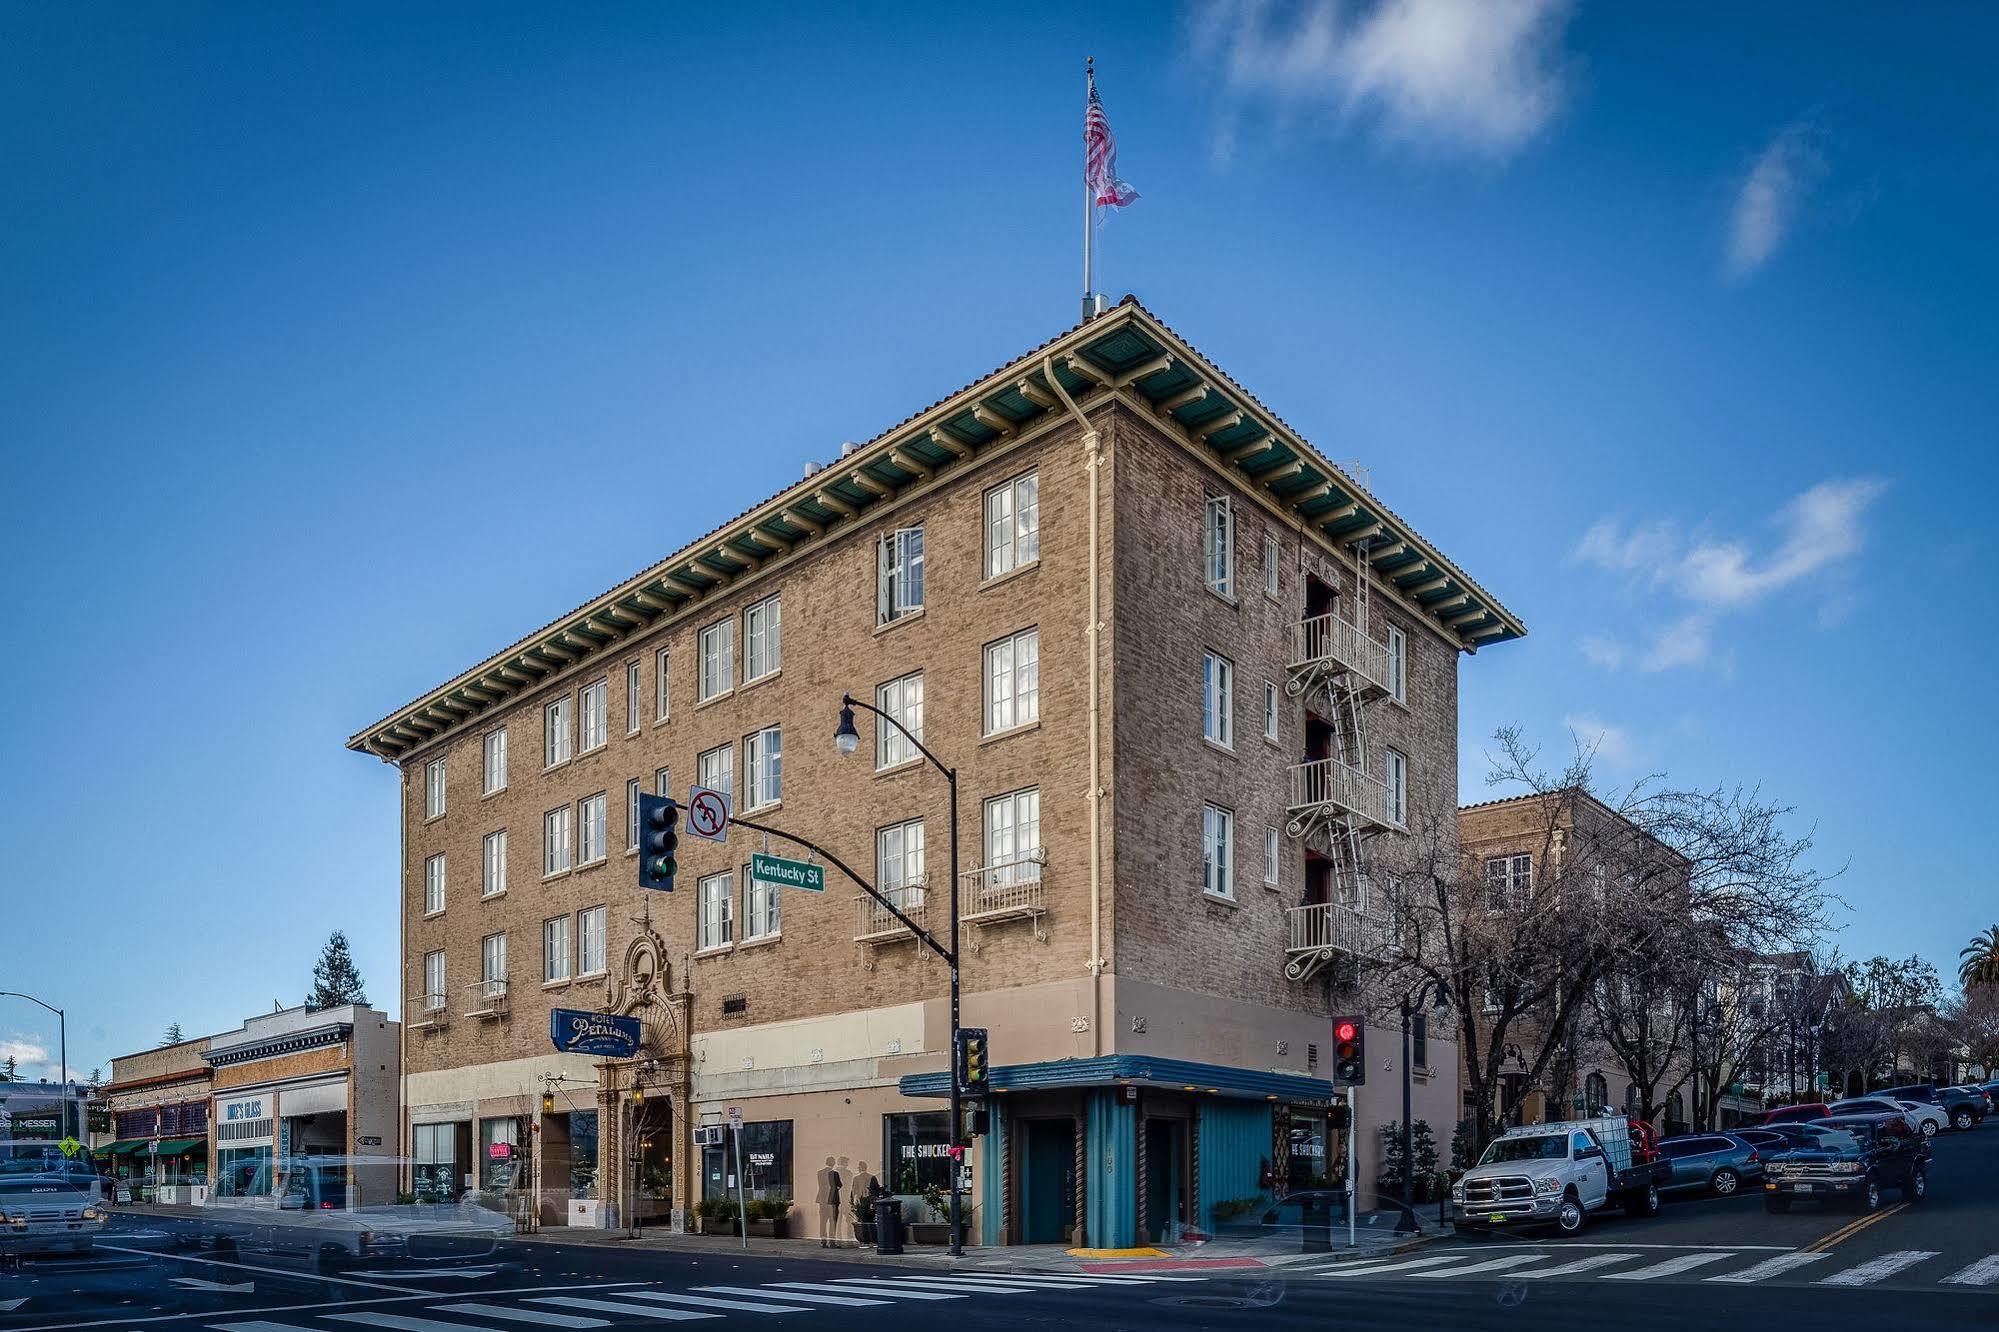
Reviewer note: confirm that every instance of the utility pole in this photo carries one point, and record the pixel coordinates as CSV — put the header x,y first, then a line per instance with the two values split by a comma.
x,y
62,1038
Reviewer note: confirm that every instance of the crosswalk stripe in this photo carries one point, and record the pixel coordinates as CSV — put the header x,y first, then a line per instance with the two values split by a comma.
x,y
887,1291
1981,1273
1369,1269
1140,1279
613,1306
1053,1283
1671,1267
1589,1264
1489,1265
944,1283
1105,1278
402,1322
259,1325
709,1302
1769,1267
1874,1269
540,1317
799,1295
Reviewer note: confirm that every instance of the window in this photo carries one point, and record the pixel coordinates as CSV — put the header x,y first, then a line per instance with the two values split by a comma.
x,y
1419,1040
1398,787
1218,700
1218,546
663,695
493,873
1013,837
433,884
1013,681
433,981
555,949
714,897
763,768
590,824
1013,525
760,909
496,761
493,964
903,700
718,659
634,685
590,941
433,788
763,648
558,741
716,770
1270,712
764,1151
555,847
1398,666
1271,556
899,574
916,1151
662,782
596,721
899,862
633,789
1395,907
1269,857
1508,880
1218,851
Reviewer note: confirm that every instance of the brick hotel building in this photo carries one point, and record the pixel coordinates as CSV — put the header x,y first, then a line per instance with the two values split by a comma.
x,y
1198,685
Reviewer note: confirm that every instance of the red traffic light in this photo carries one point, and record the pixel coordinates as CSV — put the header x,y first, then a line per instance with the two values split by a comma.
x,y
1345,1031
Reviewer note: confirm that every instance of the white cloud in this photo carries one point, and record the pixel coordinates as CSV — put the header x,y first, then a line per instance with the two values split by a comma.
x,y
1688,641
30,1056
1610,744
1477,76
1788,169
1602,650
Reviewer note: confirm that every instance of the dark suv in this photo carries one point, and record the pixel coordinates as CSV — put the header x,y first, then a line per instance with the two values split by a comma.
x,y
1851,1159
1964,1108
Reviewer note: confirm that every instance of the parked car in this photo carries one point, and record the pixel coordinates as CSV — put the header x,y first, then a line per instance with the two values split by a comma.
x,y
1851,1159
1778,1138
1557,1174
1930,1119
1964,1107
1874,1105
1718,1162
1793,1114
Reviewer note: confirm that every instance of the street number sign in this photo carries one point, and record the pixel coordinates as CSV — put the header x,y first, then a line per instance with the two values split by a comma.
x,y
708,813
788,873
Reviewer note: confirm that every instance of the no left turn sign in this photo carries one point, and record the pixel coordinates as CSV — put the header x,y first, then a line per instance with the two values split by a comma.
x,y
708,814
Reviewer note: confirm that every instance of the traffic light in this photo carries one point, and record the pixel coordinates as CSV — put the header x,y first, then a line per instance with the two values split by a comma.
x,y
972,1068
659,839
977,1121
1350,1050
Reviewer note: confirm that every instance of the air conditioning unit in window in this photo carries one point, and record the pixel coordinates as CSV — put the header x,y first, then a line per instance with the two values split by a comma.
x,y
710,1135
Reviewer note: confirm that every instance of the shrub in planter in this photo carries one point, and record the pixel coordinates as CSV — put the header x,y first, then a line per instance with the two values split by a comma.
x,y
718,1216
770,1218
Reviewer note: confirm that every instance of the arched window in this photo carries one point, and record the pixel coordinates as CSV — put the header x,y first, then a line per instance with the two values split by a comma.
x,y
1596,1093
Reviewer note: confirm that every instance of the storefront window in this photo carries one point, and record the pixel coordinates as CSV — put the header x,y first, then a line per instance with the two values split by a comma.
x,y
243,1172
583,1154
916,1150
1309,1168
499,1153
766,1149
436,1174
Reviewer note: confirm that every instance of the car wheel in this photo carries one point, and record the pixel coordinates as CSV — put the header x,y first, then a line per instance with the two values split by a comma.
x,y
1642,1202
1570,1216
1772,1203
1870,1197
1917,1187
1929,1128
1725,1182
1962,1121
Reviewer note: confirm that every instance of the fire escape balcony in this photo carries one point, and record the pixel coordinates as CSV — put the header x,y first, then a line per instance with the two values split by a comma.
x,y
431,1008
488,999
1005,890
876,924
1324,647
1325,789
1320,932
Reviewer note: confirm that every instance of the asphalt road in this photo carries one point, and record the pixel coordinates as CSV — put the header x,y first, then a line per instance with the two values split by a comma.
x,y
1701,1258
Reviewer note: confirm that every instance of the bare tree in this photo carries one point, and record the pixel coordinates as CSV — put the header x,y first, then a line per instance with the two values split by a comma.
x,y
1974,1021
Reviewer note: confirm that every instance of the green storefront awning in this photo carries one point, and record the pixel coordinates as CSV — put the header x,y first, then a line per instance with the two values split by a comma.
x,y
180,1146
123,1146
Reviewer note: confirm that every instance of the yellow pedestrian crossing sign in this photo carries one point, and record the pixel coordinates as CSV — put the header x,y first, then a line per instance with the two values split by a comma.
x,y
70,1146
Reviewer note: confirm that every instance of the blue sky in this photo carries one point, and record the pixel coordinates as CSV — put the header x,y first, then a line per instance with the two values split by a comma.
x,y
340,346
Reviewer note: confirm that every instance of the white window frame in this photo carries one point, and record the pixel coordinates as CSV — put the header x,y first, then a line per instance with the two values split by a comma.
x,y
1218,700
434,998
558,731
593,831
1218,852
899,852
1012,524
1398,666
763,768
1272,554
902,699
433,789
704,770
1271,856
558,841
634,696
763,639
558,950
433,884
715,912
899,574
1022,694
493,762
662,782
593,716
762,909
633,790
1011,824
662,685
493,958
493,863
1218,547
1270,712
1512,876
718,659
1396,773
589,938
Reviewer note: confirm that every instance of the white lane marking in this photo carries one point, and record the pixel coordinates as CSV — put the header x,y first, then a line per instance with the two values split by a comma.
x,y
259,1325
1686,1262
1587,1244
1365,1269
8,1306
887,1291
618,1307
1589,1264
1769,1267
1139,1279
1489,1265
429,1273
1874,1269
402,1323
1051,1283
200,1283
1981,1273
267,1271
799,1295
1101,1278
543,1317
941,1283
763,1306
410,1298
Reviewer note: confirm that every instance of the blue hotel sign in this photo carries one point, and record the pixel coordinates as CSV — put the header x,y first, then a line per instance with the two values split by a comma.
x,y
577,1032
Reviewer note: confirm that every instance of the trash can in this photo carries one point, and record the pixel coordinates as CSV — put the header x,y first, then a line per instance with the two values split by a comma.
x,y
888,1225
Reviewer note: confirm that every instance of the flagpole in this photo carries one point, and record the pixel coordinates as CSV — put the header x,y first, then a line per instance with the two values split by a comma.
x,y
1089,277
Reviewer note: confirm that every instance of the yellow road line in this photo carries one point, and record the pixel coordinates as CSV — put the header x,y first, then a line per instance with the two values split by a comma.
x,y
1852,1228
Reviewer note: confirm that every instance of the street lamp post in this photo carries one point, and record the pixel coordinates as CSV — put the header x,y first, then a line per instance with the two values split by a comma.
x,y
847,741
62,1037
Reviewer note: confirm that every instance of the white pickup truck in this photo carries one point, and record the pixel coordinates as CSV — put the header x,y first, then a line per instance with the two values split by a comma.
x,y
1557,1174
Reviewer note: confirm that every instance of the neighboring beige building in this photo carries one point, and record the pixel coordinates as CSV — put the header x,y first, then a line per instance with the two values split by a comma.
x,y
1158,634
158,1101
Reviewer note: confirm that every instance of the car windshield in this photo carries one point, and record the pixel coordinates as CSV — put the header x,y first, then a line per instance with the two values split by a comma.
x,y
38,1157
1848,1139
1541,1147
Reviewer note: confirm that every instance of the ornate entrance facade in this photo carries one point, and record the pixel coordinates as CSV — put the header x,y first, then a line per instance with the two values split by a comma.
x,y
643,1102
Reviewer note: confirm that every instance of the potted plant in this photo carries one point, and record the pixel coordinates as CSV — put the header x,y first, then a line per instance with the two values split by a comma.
x,y
936,1229
769,1217
864,1219
717,1215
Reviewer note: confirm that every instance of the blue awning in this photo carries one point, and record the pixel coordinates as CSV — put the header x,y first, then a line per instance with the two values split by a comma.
x,y
1138,1071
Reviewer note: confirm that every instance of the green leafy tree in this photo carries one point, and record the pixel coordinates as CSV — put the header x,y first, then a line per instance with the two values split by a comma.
x,y
1978,961
335,980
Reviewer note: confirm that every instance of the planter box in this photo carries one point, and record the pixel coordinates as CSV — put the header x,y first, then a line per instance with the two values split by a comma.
x,y
780,1228
864,1233
714,1225
930,1232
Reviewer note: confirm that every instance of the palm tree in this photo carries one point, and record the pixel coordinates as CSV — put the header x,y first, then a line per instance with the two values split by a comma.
x,y
1978,961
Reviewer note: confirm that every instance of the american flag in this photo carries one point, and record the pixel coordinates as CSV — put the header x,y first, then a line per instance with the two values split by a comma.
x,y
1100,157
